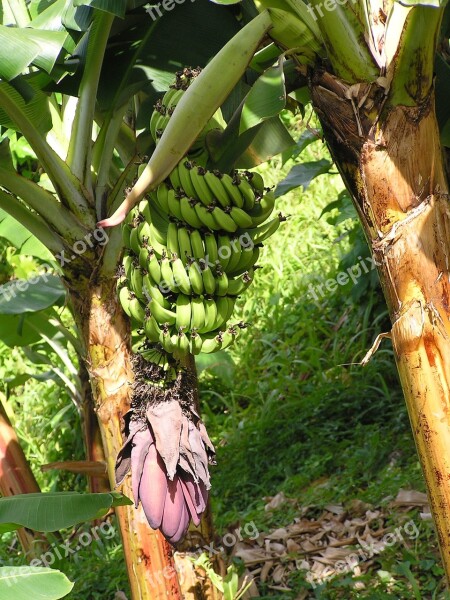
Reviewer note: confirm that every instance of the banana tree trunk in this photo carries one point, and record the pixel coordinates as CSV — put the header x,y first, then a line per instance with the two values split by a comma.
x,y
391,161
106,338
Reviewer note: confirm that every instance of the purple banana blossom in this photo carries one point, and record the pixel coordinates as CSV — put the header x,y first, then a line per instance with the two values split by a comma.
x,y
168,456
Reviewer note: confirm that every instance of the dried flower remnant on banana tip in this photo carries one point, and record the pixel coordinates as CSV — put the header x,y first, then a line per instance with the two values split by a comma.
x,y
168,451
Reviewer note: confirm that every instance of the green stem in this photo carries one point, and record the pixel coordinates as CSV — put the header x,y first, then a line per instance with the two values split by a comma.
x,y
103,156
412,64
44,203
33,222
65,183
80,146
344,36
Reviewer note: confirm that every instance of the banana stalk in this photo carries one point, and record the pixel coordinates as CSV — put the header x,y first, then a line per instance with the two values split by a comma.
x,y
206,94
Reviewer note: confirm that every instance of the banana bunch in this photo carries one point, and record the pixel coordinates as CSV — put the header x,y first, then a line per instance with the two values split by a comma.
x,y
191,249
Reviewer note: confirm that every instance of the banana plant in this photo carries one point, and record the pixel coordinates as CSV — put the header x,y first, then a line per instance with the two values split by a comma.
x,y
370,68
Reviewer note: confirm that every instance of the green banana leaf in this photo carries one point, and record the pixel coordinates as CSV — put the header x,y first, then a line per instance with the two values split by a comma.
x,y
55,510
38,583
302,175
266,99
27,296
19,237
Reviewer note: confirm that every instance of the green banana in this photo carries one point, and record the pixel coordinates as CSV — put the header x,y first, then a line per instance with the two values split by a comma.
x,y
211,247
225,307
128,265
174,178
262,209
261,233
173,203
202,190
188,213
221,282
228,337
256,181
211,342
209,281
183,344
152,292
196,343
137,311
183,311
135,243
124,299
240,217
136,282
198,315
249,257
151,329
161,314
210,315
195,277
172,239
246,190
232,190
224,250
198,250
223,220
184,173
180,276
206,215
213,181
167,280
154,267
162,193
184,243
167,341
236,255
239,285
126,234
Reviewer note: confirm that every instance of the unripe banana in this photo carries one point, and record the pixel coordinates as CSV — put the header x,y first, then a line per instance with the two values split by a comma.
x,y
167,341
126,234
183,344
224,249
246,190
239,285
167,279
151,329
183,311
162,194
137,310
223,220
225,307
214,183
211,249
196,343
256,181
180,276
162,315
172,239
261,233
209,281
184,173
240,217
184,243
210,315
211,342
202,190
206,215
249,258
136,282
174,179
198,250
197,313
125,299
128,263
188,213
135,243
262,209
233,191
236,255
221,282
154,267
195,277
228,337
152,292
174,205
